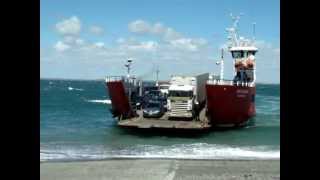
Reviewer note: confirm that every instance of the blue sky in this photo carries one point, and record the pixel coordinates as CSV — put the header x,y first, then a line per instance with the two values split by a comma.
x,y
92,39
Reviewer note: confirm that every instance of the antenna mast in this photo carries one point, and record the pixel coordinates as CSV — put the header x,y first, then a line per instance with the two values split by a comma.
x,y
128,65
222,65
157,84
254,31
233,31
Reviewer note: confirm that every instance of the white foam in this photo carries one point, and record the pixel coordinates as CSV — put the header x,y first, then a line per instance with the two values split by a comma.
x,y
103,101
76,89
190,151
208,151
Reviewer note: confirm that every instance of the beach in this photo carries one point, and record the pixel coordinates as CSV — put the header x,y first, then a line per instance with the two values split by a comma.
x,y
162,169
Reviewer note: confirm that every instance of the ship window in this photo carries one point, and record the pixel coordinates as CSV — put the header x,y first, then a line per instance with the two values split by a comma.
x,y
237,54
251,52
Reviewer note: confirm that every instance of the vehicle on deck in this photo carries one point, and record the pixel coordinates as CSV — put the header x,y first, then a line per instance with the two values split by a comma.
x,y
154,95
153,109
164,88
186,95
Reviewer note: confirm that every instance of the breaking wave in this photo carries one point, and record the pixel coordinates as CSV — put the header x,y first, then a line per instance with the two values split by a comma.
x,y
185,151
102,101
74,89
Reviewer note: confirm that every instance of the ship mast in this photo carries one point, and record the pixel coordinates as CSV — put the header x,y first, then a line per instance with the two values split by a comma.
x,y
254,31
128,65
221,63
233,32
157,80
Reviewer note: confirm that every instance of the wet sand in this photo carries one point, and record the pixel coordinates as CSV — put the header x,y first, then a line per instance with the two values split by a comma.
x,y
160,169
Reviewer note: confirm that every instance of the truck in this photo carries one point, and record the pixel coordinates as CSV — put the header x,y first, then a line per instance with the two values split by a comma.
x,y
186,95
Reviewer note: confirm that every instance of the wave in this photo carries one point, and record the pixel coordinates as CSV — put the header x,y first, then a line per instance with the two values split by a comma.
x,y
190,151
76,89
103,101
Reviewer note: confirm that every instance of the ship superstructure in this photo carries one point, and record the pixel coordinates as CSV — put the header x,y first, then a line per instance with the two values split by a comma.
x,y
232,102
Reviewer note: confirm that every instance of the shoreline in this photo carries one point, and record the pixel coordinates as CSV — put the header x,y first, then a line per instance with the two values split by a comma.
x,y
154,158
151,168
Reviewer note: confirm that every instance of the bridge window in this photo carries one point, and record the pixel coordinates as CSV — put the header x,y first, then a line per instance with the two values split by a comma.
x,y
237,54
251,52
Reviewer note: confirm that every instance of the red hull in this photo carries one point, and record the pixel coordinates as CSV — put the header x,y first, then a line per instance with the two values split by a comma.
x,y
120,102
230,104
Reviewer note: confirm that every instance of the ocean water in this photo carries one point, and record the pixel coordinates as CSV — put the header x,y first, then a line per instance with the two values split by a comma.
x,y
75,124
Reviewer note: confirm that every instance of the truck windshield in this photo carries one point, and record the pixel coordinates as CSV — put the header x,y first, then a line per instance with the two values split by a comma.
x,y
164,87
180,93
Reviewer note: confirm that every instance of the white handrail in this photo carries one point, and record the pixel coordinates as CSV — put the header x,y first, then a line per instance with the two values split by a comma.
x,y
230,83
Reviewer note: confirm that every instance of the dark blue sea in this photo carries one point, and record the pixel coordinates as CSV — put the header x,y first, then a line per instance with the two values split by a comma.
x,y
75,124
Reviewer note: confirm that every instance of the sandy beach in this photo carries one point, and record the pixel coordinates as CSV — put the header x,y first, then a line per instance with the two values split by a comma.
x,y
160,169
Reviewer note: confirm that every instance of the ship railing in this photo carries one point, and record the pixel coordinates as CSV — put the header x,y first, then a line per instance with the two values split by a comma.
x,y
114,78
230,82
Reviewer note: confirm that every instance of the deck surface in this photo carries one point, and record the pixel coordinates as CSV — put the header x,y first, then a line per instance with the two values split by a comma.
x,y
164,122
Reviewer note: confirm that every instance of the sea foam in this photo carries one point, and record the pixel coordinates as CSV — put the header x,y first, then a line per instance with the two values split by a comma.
x,y
184,151
74,89
102,101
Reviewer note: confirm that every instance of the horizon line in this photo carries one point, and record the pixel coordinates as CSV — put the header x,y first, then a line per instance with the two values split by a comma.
x,y
99,79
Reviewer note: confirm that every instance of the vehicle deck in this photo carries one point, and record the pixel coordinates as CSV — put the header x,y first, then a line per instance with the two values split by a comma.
x,y
165,123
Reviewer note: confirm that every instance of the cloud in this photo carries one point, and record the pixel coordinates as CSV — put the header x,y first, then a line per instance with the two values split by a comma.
x,y
120,40
99,44
133,44
139,26
169,36
71,26
188,43
96,30
79,41
149,45
71,40
191,54
143,27
68,42
61,46
158,28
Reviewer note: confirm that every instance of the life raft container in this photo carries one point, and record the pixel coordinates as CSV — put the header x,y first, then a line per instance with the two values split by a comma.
x,y
250,63
239,64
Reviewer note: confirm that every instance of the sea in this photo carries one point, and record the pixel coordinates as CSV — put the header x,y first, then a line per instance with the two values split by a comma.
x,y
76,124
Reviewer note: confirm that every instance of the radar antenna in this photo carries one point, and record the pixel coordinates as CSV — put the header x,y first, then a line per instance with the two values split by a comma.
x,y
254,31
233,31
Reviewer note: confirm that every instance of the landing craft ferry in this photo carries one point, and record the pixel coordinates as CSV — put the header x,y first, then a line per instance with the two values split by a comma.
x,y
194,102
